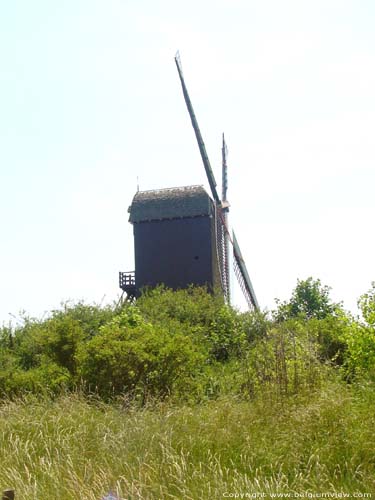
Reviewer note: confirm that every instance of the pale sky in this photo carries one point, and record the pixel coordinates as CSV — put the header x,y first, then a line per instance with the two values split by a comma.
x,y
90,100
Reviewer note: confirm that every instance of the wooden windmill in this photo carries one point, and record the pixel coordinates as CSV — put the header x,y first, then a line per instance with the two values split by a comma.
x,y
181,235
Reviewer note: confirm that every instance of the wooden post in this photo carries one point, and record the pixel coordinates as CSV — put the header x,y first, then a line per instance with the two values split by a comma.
x,y
8,495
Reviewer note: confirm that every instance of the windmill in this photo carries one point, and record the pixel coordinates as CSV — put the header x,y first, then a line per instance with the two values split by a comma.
x,y
222,208
181,235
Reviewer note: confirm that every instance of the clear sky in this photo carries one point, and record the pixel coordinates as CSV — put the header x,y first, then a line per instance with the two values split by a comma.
x,y
90,100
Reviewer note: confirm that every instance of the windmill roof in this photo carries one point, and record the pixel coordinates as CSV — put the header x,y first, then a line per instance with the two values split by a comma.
x,y
170,203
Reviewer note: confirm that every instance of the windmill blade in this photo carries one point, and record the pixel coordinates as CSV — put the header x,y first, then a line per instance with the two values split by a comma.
x,y
221,209
224,220
239,265
198,135
224,183
243,276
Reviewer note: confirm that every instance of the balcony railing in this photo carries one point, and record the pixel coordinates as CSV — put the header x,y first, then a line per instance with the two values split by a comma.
x,y
127,283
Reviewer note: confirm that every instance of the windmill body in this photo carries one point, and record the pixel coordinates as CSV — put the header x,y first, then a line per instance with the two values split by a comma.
x,y
174,238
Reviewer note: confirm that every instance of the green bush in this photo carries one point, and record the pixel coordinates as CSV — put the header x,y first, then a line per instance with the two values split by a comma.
x,y
189,343
131,355
225,335
366,304
193,306
330,334
48,378
55,339
255,325
284,361
359,361
206,317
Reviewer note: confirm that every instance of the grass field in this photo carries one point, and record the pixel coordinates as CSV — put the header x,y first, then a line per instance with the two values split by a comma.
x,y
79,448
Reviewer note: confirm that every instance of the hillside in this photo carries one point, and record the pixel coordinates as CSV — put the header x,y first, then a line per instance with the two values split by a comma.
x,y
181,396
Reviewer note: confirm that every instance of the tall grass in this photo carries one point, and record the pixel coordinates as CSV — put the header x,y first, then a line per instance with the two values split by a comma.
x,y
77,448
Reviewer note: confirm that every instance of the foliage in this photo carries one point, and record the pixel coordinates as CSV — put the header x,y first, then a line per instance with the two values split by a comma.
x,y
225,336
276,413
255,325
41,354
130,355
189,344
310,299
6,337
209,320
330,333
359,361
49,378
360,339
366,304
285,361
193,306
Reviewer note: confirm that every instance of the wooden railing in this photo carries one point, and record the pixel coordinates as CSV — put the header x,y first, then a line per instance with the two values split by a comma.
x,y
126,280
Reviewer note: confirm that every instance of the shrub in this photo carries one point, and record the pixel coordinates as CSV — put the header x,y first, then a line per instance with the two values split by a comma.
x,y
330,334
359,361
285,361
193,306
204,315
225,335
366,304
47,378
134,356
254,324
55,339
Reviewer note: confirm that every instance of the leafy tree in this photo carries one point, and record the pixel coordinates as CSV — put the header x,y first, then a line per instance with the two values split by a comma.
x,y
310,299
366,304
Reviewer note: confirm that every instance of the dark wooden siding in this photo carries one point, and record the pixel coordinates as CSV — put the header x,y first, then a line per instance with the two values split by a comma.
x,y
175,252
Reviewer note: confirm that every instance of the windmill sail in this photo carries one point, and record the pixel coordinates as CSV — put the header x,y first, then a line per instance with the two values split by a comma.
x,y
221,211
224,216
243,276
202,147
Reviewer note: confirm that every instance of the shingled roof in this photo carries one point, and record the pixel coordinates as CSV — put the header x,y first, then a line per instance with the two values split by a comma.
x,y
170,203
